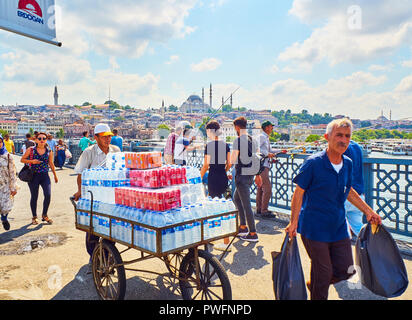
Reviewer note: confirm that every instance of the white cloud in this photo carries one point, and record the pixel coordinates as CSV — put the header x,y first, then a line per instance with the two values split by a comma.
x,y
125,27
206,65
43,69
37,74
381,68
385,27
274,69
405,86
407,64
172,59
357,95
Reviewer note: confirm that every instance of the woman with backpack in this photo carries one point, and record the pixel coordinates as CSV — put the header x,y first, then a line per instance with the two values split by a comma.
x,y
40,158
8,183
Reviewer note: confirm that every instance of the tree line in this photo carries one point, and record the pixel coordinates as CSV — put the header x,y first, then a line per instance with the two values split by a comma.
x,y
371,134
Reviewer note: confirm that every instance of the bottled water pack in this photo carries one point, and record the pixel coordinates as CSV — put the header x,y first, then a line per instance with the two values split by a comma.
x,y
173,237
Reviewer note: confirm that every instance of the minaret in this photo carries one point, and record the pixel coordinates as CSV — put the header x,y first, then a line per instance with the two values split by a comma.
x,y
223,101
211,106
231,100
56,96
203,99
163,110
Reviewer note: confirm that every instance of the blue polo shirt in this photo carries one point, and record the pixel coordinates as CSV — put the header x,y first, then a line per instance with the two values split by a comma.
x,y
322,217
355,153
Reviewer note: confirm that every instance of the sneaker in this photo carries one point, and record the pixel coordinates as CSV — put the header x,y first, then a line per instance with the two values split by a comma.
x,y
250,238
243,232
6,225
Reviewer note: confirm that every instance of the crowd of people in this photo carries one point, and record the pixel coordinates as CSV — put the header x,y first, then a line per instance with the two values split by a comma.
x,y
327,205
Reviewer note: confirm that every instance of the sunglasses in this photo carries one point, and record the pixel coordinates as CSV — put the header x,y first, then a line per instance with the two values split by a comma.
x,y
42,139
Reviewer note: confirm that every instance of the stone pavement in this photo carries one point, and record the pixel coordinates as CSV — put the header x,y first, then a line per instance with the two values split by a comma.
x,y
57,269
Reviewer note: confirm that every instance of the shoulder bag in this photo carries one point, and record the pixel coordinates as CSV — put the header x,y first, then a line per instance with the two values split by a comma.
x,y
26,174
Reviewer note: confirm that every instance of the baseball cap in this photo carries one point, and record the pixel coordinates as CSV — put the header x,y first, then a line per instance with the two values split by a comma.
x,y
104,129
267,123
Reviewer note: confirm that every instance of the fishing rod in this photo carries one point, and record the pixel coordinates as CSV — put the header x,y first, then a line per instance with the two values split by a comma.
x,y
209,118
216,111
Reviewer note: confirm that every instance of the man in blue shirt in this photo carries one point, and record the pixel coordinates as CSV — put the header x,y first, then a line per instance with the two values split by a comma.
x,y
354,216
323,184
51,143
117,140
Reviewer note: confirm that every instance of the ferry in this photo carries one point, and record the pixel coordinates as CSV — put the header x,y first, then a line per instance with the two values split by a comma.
x,y
393,149
367,148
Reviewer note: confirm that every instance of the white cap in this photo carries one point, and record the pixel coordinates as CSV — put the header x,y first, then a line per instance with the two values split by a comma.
x,y
103,128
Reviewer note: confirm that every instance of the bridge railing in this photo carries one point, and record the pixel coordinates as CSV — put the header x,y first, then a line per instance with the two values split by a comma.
x,y
388,187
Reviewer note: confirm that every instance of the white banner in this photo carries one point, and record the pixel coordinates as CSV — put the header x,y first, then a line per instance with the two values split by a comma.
x,y
30,18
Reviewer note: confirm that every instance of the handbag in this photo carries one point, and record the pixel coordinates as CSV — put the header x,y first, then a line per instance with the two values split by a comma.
x,y
26,173
68,154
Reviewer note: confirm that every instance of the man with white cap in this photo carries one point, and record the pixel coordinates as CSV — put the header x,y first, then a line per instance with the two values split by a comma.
x,y
93,157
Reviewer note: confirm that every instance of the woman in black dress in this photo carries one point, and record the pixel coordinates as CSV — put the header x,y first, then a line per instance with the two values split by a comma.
x,y
217,161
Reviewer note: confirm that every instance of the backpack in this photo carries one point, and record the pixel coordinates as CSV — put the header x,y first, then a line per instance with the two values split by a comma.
x,y
255,158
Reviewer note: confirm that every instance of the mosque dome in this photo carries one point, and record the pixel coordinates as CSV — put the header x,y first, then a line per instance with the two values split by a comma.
x,y
156,117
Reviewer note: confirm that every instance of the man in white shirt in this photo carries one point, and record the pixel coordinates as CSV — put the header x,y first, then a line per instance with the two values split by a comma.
x,y
264,191
183,146
93,157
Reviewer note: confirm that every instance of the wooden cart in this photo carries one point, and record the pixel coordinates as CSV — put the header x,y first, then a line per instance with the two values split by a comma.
x,y
199,274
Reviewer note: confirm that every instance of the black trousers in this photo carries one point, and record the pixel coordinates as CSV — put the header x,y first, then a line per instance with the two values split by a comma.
x,y
40,179
331,264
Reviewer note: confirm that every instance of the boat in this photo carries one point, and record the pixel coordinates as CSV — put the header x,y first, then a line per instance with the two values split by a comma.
x,y
394,149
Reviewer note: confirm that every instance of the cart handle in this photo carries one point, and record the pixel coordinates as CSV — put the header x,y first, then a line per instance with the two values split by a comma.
x,y
73,202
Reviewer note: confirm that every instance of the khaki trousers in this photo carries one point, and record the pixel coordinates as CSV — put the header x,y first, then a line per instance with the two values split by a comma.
x,y
264,193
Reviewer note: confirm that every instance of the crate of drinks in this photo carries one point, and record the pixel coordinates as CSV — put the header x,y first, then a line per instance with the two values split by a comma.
x,y
157,200
134,160
158,178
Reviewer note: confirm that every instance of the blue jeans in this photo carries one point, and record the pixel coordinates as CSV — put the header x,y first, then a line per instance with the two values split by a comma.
x,y
241,199
40,179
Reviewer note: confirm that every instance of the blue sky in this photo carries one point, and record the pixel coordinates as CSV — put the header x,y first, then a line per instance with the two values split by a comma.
x,y
319,55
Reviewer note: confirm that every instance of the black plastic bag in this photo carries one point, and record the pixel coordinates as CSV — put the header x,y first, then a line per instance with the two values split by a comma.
x,y
288,278
382,269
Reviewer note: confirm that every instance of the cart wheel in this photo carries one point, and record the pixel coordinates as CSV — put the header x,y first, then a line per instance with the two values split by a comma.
x,y
173,262
108,272
213,282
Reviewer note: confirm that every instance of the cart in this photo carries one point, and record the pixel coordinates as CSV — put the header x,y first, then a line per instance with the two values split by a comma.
x,y
199,274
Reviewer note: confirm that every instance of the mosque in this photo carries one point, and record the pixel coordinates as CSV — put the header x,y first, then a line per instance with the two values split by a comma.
x,y
196,104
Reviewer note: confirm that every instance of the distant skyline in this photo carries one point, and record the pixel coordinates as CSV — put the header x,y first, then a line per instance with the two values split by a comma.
x,y
346,57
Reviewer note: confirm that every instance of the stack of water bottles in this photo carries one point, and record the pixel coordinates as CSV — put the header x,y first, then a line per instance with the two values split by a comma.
x,y
114,196
102,183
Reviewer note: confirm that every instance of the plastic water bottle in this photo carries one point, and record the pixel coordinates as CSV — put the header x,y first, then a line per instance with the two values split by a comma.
x,y
168,235
188,232
138,231
148,233
180,230
225,228
196,214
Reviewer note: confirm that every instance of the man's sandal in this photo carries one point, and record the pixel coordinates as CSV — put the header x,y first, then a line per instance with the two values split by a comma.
x,y
46,219
34,221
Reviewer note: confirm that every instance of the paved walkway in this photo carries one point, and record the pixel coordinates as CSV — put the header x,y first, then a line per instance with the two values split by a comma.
x,y
58,271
